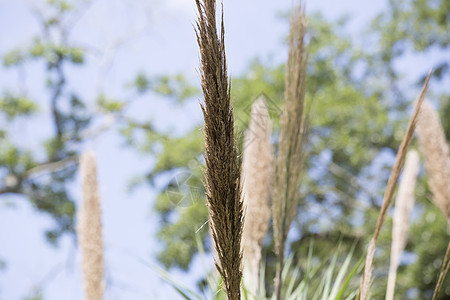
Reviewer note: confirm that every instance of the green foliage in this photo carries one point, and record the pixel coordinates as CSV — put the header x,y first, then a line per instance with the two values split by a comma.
x,y
36,295
44,181
47,193
53,199
177,152
329,280
15,160
50,52
258,79
421,24
176,87
181,234
74,119
181,206
354,124
13,106
358,108
427,247
61,5
109,105
354,139
14,57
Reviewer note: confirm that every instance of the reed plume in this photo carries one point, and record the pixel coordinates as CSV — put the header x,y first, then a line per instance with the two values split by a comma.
x,y
290,154
387,200
436,155
257,168
404,204
90,230
222,172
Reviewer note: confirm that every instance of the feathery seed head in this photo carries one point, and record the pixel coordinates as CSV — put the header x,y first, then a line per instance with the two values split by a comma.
x,y
257,168
436,154
90,229
292,135
387,200
293,122
404,204
222,173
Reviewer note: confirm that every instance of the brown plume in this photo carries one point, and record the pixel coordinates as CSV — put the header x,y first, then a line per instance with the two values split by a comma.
x,y
290,155
222,173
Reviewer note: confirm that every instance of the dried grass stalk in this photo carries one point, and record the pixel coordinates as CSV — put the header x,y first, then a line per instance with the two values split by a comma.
x,y
436,155
404,204
387,201
222,172
257,168
290,155
444,270
90,230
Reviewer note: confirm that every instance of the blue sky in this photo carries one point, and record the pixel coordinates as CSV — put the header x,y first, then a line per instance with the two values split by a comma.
x,y
157,37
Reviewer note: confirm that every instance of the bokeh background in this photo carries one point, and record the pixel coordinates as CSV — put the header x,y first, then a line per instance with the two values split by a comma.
x,y
121,77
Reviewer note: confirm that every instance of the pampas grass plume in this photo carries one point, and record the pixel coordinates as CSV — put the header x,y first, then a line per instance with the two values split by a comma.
x,y
436,154
257,171
89,230
387,200
404,204
435,151
290,154
222,172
